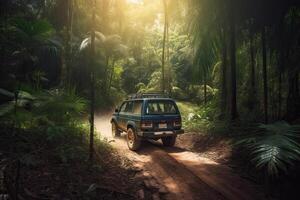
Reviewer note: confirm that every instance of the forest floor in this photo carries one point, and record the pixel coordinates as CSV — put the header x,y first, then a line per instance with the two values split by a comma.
x,y
196,168
35,168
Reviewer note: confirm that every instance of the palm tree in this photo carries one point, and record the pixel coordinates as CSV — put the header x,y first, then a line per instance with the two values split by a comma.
x,y
208,27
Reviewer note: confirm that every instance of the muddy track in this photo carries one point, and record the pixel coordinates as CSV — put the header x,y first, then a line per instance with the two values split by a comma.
x,y
183,174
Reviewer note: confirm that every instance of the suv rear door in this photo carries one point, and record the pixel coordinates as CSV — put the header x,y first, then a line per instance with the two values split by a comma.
x,y
163,113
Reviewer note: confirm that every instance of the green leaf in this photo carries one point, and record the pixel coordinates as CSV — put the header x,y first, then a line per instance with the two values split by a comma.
x,y
6,93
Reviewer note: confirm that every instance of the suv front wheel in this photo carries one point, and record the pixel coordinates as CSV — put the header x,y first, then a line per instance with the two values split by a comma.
x,y
133,141
169,141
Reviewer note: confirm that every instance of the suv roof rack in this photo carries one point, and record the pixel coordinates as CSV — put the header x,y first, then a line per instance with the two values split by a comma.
x,y
148,95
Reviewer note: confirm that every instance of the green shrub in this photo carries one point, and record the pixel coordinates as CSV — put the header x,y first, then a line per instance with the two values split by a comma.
x,y
196,93
198,118
178,93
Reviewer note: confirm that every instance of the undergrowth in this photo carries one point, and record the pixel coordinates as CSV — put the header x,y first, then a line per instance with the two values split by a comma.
x,y
47,133
272,149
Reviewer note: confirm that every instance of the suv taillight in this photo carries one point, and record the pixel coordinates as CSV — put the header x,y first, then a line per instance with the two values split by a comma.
x,y
146,124
177,123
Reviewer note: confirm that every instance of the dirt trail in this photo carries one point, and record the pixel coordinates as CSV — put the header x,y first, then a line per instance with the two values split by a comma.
x,y
184,175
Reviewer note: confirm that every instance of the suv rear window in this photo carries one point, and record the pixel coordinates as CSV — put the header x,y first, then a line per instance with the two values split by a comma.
x,y
158,107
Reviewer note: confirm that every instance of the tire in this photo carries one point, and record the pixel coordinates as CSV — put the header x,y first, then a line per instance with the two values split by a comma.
x,y
114,130
169,141
133,141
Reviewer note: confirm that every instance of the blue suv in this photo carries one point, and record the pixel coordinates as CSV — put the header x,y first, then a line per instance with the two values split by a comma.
x,y
147,116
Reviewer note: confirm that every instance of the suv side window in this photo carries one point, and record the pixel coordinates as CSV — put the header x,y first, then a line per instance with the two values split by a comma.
x,y
137,107
122,109
128,107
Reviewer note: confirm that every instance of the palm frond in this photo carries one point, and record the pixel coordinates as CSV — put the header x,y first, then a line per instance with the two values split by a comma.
x,y
273,147
100,39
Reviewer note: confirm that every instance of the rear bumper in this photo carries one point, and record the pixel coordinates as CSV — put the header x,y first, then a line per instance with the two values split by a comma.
x,y
159,134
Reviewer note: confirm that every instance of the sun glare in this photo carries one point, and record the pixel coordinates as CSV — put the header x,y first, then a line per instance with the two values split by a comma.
x,y
134,1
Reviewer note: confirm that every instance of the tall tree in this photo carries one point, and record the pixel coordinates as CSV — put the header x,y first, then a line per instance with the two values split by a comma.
x,y
92,76
67,50
265,75
69,33
252,91
232,42
163,58
224,84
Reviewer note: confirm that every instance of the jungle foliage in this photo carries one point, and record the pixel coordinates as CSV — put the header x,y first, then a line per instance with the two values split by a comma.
x,y
233,65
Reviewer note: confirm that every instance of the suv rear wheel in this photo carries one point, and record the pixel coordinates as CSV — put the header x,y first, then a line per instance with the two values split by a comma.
x,y
169,141
114,130
133,141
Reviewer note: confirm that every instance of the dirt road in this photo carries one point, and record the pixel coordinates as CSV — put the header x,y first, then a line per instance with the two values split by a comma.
x,y
181,174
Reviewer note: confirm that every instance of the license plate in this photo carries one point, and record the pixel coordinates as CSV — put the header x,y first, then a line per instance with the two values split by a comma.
x,y
162,125
163,132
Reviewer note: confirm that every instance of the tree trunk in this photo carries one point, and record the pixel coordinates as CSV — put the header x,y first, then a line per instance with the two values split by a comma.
x,y
279,95
281,64
233,107
106,79
168,60
105,16
69,40
164,47
293,99
205,90
92,89
224,76
265,80
111,74
252,74
65,77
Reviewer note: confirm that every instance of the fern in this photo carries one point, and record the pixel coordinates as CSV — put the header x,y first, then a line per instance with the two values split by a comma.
x,y
56,107
273,147
23,99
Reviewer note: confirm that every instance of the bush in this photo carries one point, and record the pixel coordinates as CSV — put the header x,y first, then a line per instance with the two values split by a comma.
x,y
198,118
196,93
47,117
178,93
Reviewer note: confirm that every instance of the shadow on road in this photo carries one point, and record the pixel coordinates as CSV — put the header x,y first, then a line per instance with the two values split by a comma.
x,y
151,145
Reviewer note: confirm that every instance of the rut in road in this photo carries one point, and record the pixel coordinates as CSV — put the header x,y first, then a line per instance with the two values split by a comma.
x,y
185,174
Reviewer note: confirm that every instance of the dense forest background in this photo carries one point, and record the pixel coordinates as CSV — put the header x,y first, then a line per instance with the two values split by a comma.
x,y
237,60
